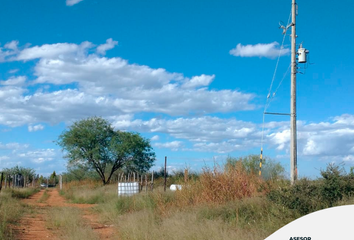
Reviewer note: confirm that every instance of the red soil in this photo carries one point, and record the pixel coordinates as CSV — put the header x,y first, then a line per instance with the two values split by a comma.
x,y
33,226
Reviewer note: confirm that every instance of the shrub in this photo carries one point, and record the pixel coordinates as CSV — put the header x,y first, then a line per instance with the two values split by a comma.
x,y
304,196
336,184
307,195
220,186
270,168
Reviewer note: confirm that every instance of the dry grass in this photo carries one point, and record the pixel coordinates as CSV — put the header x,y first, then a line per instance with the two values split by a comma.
x,y
44,197
69,224
11,209
219,186
220,204
90,192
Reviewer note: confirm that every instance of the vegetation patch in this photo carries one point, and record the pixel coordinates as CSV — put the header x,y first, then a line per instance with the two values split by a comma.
x,y
44,197
11,209
69,224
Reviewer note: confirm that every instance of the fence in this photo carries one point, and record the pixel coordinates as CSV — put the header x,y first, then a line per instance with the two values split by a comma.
x,y
16,181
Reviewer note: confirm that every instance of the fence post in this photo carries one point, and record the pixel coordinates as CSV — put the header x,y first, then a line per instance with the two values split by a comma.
x,y
2,175
61,182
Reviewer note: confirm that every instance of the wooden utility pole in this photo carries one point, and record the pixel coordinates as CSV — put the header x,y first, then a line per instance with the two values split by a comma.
x,y
165,175
293,141
185,175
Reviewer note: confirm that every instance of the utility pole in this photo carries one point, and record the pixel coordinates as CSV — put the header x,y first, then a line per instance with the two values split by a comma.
x,y
165,175
293,141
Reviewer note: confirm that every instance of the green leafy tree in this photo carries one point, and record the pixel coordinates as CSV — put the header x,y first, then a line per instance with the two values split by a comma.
x,y
270,168
54,178
41,179
28,172
94,143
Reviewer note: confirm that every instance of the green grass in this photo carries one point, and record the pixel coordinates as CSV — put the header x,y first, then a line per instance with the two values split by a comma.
x,y
22,192
69,224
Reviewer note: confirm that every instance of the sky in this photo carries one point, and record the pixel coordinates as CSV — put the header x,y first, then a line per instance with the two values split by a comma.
x,y
192,76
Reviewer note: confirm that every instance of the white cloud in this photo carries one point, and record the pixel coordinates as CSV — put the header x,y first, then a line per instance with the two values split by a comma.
x,y
270,50
207,134
49,51
101,49
13,146
11,45
198,81
349,158
324,139
174,145
72,2
35,128
14,70
39,155
107,87
10,49
155,138
14,81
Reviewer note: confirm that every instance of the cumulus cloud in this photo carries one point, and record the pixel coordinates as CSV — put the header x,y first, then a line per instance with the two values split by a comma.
x,y
39,155
10,49
334,138
101,49
155,138
270,50
35,128
207,134
12,146
107,87
174,145
198,81
72,2
14,81
50,51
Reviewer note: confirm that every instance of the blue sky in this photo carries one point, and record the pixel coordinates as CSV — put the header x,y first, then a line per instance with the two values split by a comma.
x,y
193,76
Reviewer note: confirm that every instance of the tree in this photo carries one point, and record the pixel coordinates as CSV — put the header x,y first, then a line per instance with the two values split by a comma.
x,y
93,143
270,168
53,178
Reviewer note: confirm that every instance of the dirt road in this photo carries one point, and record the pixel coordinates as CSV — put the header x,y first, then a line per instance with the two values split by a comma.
x,y
33,225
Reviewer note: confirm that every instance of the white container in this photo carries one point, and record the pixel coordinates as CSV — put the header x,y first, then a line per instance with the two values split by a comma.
x,y
175,187
128,188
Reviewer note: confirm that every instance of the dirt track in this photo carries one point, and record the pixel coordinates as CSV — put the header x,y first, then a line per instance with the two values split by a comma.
x,y
33,226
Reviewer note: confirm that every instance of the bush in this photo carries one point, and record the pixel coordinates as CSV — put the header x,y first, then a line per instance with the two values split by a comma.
x,y
270,168
304,196
336,184
307,196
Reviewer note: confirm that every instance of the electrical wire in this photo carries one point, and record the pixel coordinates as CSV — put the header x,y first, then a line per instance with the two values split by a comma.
x,y
269,97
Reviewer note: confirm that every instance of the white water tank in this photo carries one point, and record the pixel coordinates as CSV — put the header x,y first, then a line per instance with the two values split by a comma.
x,y
302,52
128,188
175,187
